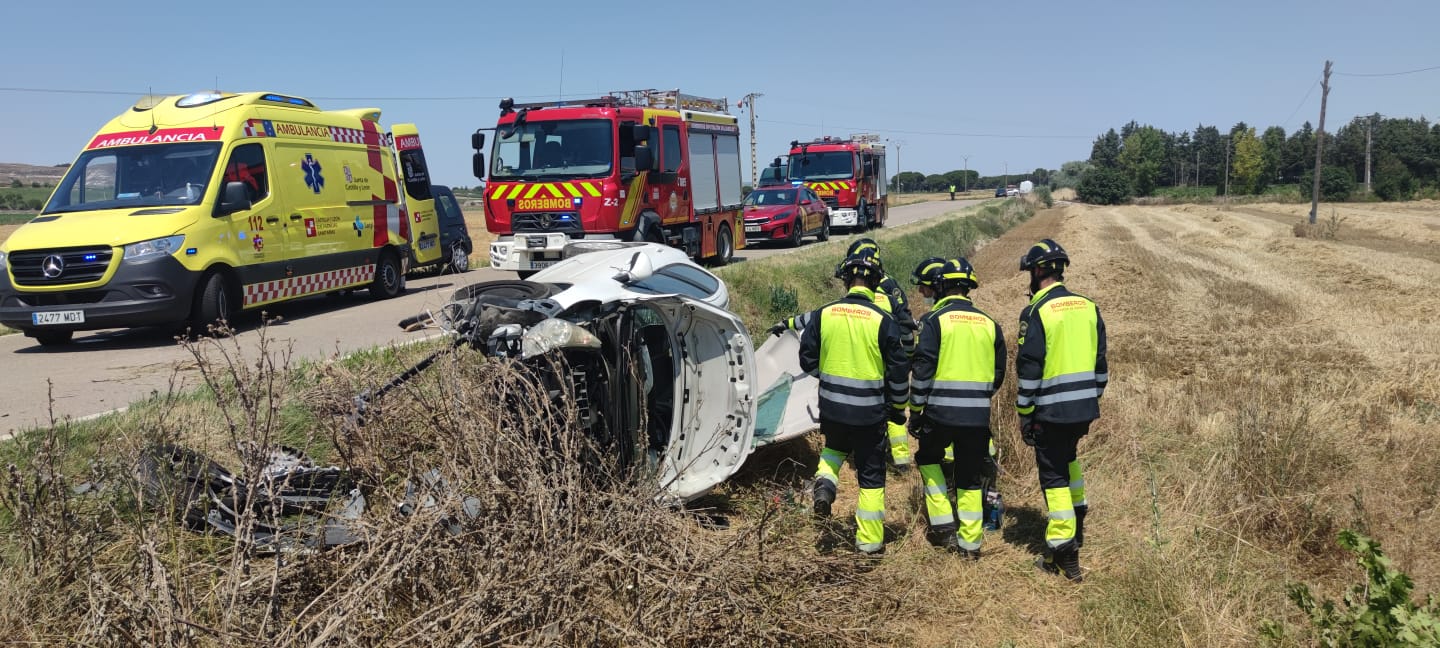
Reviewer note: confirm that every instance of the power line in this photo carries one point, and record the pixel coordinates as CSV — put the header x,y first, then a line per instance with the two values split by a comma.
x,y
1286,124
1387,74
932,133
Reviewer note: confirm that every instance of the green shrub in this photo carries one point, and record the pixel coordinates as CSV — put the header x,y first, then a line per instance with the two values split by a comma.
x,y
1394,181
1046,198
1102,186
1336,184
1378,612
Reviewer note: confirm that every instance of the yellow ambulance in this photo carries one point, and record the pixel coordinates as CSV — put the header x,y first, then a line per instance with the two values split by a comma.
x,y
187,209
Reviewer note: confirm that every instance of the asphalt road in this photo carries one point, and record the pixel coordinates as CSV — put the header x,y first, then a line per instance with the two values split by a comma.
x,y
105,370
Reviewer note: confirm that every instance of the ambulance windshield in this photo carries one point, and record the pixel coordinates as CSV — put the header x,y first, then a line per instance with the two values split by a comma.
x,y
136,176
547,150
834,165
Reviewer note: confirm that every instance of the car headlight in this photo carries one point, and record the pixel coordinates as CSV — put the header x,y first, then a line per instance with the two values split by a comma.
x,y
153,249
783,216
553,334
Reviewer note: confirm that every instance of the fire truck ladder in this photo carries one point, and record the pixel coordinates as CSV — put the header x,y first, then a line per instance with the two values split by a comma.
x,y
671,100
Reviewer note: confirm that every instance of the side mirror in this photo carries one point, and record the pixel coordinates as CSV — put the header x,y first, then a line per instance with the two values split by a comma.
x,y
235,197
477,140
477,165
640,133
641,268
805,201
644,158
775,163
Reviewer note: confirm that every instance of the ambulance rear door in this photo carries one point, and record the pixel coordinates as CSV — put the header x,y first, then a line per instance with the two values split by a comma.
x,y
419,199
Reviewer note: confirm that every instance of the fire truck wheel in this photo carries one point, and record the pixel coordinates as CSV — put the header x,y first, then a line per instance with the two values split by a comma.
x,y
724,248
389,280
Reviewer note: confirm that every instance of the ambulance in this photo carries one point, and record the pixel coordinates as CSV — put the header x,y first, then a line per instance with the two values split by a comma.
x,y
186,209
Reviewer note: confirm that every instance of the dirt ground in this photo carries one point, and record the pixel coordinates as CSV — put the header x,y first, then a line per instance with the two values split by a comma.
x,y
1266,391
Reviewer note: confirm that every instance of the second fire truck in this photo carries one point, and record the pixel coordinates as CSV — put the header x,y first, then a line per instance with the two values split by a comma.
x,y
848,174
644,165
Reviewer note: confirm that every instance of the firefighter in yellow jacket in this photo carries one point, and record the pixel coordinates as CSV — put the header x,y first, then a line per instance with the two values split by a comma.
x,y
853,347
958,365
890,297
1062,373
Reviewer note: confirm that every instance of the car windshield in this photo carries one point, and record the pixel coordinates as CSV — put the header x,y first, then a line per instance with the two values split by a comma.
x,y
834,165
577,148
136,176
678,279
768,197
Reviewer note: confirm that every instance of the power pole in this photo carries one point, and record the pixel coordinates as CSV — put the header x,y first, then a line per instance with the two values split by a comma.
x,y
1319,144
748,102
1369,126
899,169
1227,165
965,179
1197,166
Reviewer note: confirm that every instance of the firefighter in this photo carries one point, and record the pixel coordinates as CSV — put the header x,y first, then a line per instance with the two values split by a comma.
x,y
854,348
890,298
1062,373
959,364
952,192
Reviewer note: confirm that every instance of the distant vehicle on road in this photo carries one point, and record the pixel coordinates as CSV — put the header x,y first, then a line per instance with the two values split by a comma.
x,y
1000,192
785,213
1012,190
455,244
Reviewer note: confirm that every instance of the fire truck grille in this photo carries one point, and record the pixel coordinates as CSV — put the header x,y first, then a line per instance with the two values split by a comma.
x,y
568,223
831,201
59,266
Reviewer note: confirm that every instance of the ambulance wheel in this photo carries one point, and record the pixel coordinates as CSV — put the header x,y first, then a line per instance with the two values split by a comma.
x,y
389,281
212,305
53,338
459,257
724,248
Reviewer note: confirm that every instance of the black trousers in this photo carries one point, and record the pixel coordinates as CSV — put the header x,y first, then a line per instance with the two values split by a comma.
x,y
972,451
1054,450
866,446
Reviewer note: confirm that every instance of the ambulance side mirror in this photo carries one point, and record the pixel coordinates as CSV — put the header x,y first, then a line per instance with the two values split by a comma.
x,y
235,197
477,165
477,141
644,158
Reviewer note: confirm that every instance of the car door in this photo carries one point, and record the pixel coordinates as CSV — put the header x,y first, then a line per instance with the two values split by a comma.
x,y
713,429
813,211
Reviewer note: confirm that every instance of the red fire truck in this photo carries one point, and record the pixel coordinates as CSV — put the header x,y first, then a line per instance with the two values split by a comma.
x,y
642,165
848,174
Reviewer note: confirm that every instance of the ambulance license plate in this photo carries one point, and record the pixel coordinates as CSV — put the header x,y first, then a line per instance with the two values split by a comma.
x,y
58,317
752,229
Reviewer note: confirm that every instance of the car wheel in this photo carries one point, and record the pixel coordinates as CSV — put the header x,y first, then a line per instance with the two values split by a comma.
x,y
459,257
724,248
824,229
389,281
212,305
797,232
53,338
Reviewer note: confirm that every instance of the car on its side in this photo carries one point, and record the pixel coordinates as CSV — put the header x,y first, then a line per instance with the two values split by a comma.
x,y
787,212
663,377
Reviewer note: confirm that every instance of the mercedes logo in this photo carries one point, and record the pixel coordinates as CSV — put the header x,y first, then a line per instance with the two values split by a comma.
x,y
52,266
546,220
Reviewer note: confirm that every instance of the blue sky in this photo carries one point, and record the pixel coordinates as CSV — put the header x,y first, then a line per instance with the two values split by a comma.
x,y
932,75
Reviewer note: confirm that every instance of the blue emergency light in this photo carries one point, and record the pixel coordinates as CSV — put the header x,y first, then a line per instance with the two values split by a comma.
x,y
91,257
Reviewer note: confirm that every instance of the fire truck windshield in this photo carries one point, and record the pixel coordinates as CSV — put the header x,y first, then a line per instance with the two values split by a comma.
x,y
833,165
534,150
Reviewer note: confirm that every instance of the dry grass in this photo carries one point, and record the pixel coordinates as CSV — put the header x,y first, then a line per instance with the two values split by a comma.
x,y
5,330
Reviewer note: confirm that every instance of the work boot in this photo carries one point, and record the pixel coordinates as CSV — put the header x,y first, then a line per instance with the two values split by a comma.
x,y
824,495
1067,563
947,541
1080,512
970,554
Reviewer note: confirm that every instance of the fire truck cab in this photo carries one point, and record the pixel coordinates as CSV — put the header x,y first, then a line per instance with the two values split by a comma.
x,y
643,165
848,174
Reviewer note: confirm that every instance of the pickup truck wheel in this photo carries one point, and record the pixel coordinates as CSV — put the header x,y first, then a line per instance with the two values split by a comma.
x,y
212,305
389,281
459,257
53,338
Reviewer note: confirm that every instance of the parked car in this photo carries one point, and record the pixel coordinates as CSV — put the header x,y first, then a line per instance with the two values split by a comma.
x,y
1000,192
455,241
663,376
787,213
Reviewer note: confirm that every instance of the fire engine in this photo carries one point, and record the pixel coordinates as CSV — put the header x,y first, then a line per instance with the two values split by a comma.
x,y
848,174
640,165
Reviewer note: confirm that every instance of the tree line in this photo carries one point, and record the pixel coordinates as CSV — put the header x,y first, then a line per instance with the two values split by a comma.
x,y
1403,158
963,178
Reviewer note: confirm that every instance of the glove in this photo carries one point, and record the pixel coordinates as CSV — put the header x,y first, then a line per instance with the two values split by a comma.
x,y
779,329
897,416
919,425
1029,430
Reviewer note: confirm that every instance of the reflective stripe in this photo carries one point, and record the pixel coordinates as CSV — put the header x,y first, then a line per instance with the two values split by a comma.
x,y
870,547
918,402
951,401
934,489
1065,397
1077,483
870,515
846,399
922,384
937,520
1063,514
1102,377
1029,384
1021,400
975,516
1067,378
975,385
899,386
828,477
969,546
860,383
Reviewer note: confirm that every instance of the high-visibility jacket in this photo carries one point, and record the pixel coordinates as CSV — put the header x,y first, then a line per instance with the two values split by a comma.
x,y
958,365
1061,364
853,347
890,298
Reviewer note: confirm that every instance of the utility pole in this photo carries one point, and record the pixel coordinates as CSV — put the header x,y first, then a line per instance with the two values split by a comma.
x,y
1319,144
965,179
899,184
1227,165
1197,166
1369,126
748,102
